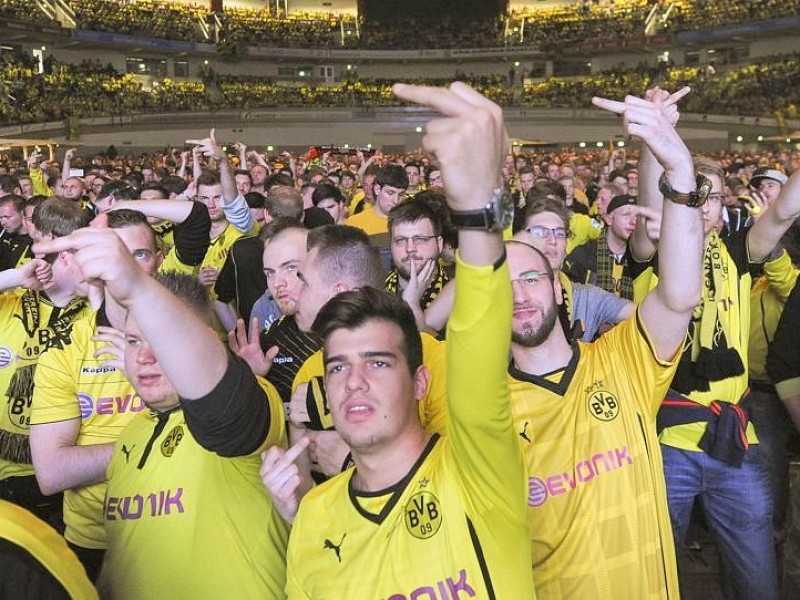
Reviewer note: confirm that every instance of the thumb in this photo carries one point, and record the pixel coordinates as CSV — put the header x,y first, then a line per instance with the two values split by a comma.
x,y
213,134
271,353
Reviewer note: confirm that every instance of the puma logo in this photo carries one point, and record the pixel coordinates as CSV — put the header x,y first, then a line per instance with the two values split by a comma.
x,y
524,433
329,545
127,452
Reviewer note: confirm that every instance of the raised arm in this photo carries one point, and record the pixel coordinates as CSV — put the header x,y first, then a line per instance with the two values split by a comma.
x,y
769,228
666,310
67,166
643,246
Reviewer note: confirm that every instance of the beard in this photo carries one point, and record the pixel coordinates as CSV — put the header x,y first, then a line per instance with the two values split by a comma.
x,y
531,337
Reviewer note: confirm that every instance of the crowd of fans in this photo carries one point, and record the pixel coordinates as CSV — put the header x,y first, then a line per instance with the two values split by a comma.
x,y
147,18
575,26
91,89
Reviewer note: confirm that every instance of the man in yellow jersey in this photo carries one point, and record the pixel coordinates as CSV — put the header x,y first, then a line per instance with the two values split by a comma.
x,y
185,511
421,515
390,184
340,259
82,401
32,321
585,413
710,448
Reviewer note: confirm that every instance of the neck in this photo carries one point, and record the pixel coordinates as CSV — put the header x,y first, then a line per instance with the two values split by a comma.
x,y
217,227
615,244
378,210
551,355
380,468
60,296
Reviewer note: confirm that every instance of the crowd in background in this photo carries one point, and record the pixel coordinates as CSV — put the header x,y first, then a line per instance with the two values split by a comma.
x,y
564,27
91,89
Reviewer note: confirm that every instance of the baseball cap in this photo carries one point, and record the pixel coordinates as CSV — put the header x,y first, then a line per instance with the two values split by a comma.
x,y
766,173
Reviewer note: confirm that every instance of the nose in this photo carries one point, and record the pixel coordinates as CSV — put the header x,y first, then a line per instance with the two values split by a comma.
x,y
356,379
145,355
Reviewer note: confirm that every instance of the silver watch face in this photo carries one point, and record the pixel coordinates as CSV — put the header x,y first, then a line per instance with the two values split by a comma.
x,y
504,211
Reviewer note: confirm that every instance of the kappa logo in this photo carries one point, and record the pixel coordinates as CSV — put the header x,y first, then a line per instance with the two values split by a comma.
x,y
603,405
337,548
423,515
172,440
6,356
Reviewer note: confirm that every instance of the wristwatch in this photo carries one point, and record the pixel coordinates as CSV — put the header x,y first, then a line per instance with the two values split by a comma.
x,y
693,199
497,215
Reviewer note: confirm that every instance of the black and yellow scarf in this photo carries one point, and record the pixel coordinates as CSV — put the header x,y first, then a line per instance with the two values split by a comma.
x,y
14,421
611,275
392,285
709,355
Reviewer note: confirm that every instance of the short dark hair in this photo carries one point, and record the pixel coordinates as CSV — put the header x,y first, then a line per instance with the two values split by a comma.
x,y
208,178
345,252
543,205
119,189
174,184
277,179
254,199
155,187
392,175
430,169
544,189
243,172
189,290
125,217
8,183
352,309
59,217
17,201
413,210
327,190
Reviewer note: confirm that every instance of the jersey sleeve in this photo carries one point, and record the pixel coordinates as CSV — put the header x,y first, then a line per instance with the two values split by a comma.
x,y
480,428
781,275
628,346
241,416
783,357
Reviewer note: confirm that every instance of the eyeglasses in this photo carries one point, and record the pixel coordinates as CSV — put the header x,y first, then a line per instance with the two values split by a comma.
x,y
531,277
416,240
559,233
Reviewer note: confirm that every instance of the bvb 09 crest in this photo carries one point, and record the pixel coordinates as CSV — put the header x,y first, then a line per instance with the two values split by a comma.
x,y
423,515
603,405
172,440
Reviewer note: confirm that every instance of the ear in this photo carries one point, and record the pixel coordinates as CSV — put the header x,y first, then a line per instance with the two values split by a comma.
x,y
557,289
375,189
439,243
422,378
339,287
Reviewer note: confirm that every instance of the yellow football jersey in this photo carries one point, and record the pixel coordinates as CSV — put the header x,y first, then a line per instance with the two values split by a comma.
x,y
369,221
29,324
454,526
71,384
597,502
184,522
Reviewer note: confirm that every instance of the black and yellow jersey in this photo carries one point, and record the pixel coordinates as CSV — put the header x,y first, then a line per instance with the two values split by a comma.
x,y
597,502
71,384
455,525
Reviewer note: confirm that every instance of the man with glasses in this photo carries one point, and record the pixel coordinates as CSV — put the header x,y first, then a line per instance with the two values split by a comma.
x,y
585,310
585,413
416,244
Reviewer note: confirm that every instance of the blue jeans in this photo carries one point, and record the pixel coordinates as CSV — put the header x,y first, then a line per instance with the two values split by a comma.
x,y
773,427
737,504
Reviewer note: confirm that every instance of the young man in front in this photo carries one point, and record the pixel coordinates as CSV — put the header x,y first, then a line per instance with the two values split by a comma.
x,y
422,515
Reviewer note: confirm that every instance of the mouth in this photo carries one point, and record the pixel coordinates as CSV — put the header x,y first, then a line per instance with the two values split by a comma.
x,y
148,379
356,411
